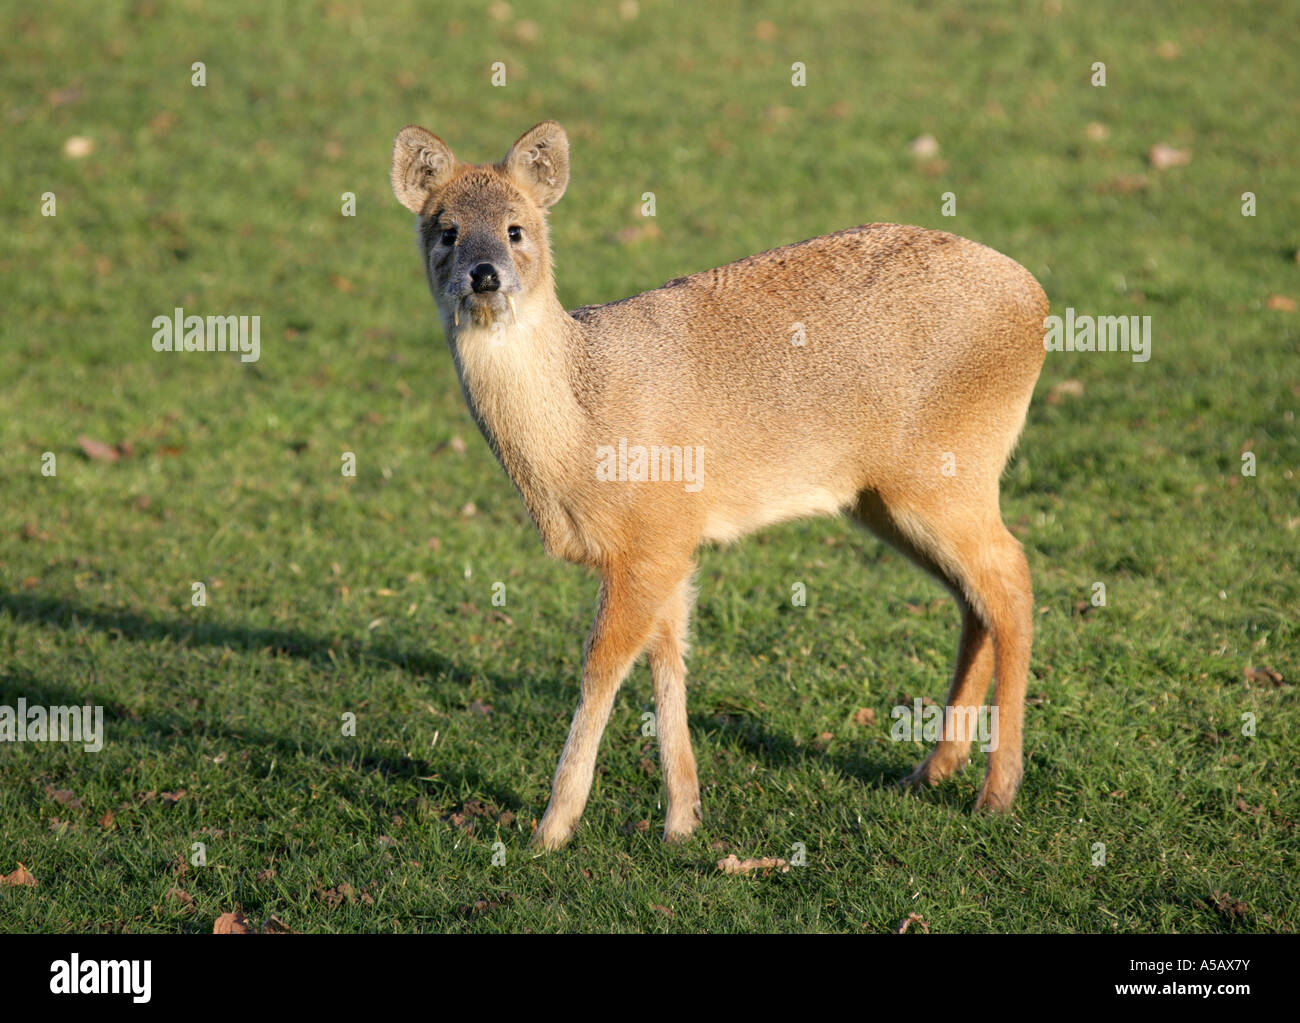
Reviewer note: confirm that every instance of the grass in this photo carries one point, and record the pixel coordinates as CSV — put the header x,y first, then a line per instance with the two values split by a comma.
x,y
332,595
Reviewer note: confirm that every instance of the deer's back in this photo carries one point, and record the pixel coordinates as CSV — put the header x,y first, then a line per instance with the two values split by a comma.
x,y
862,320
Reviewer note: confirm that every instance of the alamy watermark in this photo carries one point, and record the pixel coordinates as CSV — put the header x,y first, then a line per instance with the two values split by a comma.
x,y
75,976
181,333
1098,334
637,463
53,724
919,723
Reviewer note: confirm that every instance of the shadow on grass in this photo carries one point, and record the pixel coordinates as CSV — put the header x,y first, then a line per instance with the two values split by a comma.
x,y
775,749
872,770
162,729
280,642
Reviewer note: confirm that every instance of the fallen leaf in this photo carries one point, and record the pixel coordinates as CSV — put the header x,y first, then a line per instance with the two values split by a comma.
x,y
661,909
232,923
1065,389
184,898
21,876
172,798
98,451
1162,157
913,918
336,896
1233,909
1264,676
78,146
274,925
924,146
733,865
865,716
1282,303
64,796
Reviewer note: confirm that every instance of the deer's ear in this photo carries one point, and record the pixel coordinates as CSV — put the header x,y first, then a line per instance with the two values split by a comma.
x,y
539,163
421,163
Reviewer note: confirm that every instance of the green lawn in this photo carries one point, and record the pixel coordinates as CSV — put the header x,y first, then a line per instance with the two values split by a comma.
x,y
330,595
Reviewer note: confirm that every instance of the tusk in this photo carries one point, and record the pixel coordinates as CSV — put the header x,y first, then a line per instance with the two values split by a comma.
x,y
513,312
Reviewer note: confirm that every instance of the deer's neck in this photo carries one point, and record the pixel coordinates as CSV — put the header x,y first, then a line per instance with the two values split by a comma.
x,y
518,379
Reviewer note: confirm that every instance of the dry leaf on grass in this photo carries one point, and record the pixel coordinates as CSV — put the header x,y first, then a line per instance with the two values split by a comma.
x,y
336,896
925,146
1233,909
1264,676
98,451
1162,157
21,876
1065,389
65,796
733,865
913,918
1282,303
78,146
864,716
232,923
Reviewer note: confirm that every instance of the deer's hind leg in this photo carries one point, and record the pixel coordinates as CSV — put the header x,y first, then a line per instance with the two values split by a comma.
x,y
964,544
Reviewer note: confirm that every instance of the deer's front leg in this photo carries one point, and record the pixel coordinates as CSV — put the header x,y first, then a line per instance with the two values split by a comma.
x,y
631,597
668,669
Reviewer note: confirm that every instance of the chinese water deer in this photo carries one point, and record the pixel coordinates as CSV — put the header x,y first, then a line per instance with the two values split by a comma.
x,y
883,371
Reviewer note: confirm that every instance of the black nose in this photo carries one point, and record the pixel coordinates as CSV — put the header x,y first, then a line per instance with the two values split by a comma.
x,y
484,278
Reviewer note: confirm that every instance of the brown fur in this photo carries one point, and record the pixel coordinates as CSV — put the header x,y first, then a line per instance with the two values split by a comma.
x,y
921,350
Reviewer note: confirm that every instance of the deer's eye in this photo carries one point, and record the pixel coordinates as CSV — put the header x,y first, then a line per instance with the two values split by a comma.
x,y
515,233
449,236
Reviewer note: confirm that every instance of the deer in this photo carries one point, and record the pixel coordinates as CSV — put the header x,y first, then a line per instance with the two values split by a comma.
x,y
882,372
